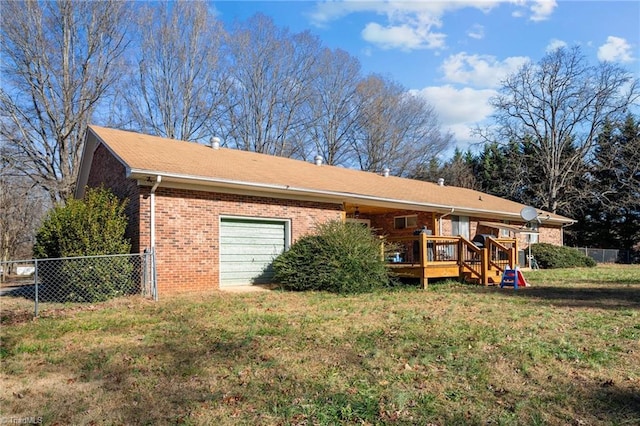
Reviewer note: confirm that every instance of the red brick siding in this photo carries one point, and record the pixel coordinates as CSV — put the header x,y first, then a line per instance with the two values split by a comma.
x,y
550,235
107,171
187,231
385,222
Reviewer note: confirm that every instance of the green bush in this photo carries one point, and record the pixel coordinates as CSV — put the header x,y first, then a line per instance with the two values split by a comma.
x,y
339,258
94,226
549,256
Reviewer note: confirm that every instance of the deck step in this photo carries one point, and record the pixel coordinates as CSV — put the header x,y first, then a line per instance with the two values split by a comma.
x,y
468,278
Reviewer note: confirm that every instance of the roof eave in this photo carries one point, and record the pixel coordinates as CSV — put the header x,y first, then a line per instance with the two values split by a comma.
x,y
329,196
335,196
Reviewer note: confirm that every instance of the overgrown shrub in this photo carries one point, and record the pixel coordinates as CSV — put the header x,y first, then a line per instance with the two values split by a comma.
x,y
339,258
549,256
93,226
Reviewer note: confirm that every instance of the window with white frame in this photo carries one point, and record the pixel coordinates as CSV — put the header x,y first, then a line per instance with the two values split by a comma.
x,y
404,222
460,226
532,236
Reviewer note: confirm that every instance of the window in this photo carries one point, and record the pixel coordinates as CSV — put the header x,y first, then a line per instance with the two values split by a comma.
x,y
364,222
504,232
532,237
404,222
460,226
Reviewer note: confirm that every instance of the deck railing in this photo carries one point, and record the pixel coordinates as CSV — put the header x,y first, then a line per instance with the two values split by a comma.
x,y
472,259
429,256
410,249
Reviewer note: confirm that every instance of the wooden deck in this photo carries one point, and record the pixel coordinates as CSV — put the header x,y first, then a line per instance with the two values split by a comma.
x,y
427,256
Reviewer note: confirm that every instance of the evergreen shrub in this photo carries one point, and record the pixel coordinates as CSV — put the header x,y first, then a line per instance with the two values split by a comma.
x,y
549,256
339,258
94,226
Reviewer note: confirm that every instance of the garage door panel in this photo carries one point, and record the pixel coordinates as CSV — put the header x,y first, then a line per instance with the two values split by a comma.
x,y
247,250
240,267
254,249
262,259
253,241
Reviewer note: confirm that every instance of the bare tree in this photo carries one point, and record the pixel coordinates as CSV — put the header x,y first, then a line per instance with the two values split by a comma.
x,y
21,208
559,106
270,70
395,129
59,60
333,106
179,81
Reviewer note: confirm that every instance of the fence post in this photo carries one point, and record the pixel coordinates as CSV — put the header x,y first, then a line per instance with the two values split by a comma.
x,y
145,279
35,278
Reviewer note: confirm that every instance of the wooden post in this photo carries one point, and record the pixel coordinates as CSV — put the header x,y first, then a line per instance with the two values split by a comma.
x,y
485,266
434,224
424,280
382,248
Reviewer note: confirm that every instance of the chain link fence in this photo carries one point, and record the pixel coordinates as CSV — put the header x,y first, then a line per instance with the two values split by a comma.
x,y
89,279
607,255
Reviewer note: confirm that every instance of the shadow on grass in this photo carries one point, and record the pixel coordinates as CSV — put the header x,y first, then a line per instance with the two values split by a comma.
x,y
236,379
197,372
47,293
241,380
609,399
620,297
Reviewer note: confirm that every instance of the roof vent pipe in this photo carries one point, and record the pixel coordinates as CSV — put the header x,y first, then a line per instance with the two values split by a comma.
x,y
215,142
440,181
318,160
385,172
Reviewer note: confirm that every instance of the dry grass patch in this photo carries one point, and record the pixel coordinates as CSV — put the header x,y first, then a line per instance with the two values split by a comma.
x,y
564,351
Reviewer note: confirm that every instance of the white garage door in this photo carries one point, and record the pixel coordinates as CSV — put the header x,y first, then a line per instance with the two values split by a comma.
x,y
247,249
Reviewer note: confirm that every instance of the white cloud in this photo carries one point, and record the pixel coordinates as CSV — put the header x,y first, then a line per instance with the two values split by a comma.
x,y
411,25
476,31
479,70
555,44
404,37
460,110
616,49
328,11
406,25
542,9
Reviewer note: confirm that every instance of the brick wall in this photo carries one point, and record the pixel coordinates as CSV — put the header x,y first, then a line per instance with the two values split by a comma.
x,y
549,235
187,231
385,222
107,171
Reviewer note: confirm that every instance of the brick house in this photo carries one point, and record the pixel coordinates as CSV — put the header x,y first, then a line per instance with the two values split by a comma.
x,y
216,217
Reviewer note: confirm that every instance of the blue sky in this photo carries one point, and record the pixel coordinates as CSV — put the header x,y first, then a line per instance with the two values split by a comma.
x,y
454,53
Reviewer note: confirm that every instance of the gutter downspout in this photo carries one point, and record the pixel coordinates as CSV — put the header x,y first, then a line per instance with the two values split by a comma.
x,y
152,223
440,220
152,236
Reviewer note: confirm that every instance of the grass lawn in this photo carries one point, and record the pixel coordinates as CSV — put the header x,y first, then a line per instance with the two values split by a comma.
x,y
564,351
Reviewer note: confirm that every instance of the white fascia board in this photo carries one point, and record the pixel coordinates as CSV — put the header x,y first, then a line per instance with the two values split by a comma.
x,y
252,188
179,181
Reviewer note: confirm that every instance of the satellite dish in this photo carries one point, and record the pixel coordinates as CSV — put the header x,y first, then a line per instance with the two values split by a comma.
x,y
528,213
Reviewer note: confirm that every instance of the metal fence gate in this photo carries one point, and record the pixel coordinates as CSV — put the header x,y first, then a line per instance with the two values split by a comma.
x,y
86,279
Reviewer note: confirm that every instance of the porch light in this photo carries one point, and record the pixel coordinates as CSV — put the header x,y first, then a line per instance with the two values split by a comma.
x,y
356,214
